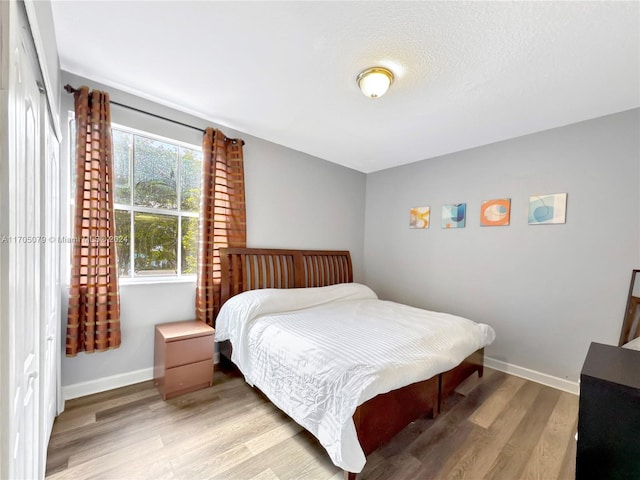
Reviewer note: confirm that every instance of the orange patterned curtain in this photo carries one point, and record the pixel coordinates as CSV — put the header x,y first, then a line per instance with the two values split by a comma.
x,y
93,322
222,216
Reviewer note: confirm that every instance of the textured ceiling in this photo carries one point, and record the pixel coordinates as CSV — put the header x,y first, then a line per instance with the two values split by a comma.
x,y
467,73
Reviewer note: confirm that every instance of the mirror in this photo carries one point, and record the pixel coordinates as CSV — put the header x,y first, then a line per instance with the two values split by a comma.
x,y
631,323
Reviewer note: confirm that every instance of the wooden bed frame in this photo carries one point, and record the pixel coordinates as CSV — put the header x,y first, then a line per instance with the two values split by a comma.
x,y
380,418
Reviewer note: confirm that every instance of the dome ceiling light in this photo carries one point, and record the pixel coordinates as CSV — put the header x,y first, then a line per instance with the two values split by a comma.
x,y
375,81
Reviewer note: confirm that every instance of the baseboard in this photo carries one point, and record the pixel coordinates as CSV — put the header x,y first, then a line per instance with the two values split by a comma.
x,y
534,376
106,383
116,381
109,383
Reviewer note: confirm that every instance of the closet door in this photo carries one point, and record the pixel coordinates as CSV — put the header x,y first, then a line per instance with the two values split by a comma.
x,y
20,250
26,268
50,284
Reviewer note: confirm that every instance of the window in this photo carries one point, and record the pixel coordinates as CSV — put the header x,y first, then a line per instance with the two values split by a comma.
x,y
157,201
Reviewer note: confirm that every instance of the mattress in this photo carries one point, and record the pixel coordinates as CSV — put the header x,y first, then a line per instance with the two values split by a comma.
x,y
318,353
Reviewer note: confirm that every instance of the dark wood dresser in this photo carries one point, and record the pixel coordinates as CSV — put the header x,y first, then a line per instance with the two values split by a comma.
x,y
183,359
609,414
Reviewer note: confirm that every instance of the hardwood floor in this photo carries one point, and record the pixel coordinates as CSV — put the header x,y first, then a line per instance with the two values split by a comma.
x,y
498,427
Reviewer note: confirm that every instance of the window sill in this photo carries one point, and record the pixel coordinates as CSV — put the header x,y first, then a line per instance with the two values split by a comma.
x,y
156,280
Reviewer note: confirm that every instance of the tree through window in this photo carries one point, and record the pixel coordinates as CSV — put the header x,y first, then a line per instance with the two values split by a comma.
x,y
157,202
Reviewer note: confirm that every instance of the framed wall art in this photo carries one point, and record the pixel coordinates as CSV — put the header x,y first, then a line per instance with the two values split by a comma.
x,y
495,213
454,215
547,209
419,217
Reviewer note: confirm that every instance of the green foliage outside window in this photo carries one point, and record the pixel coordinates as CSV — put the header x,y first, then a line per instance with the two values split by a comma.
x,y
163,179
155,174
191,173
123,247
189,245
159,184
122,151
156,242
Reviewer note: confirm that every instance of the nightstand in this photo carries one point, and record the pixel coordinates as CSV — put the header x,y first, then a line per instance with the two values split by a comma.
x,y
183,359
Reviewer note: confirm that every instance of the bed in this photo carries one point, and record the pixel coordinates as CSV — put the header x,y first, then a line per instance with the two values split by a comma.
x,y
376,417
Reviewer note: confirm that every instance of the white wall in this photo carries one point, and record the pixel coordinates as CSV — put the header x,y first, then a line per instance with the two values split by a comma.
x,y
293,200
548,290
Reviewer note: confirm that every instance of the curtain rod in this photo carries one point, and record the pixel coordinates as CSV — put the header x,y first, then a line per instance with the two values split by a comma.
x,y
70,89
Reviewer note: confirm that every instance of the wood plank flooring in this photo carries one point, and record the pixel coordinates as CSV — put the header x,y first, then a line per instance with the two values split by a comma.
x,y
497,427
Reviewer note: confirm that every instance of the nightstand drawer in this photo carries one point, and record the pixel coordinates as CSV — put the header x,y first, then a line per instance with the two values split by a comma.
x,y
191,350
179,380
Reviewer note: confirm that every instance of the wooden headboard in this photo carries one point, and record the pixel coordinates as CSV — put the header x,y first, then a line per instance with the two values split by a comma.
x,y
252,268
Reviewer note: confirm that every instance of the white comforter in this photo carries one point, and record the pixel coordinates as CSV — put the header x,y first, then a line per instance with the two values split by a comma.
x,y
318,353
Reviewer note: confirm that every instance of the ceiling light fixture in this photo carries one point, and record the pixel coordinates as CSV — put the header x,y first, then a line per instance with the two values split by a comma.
x,y
375,81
